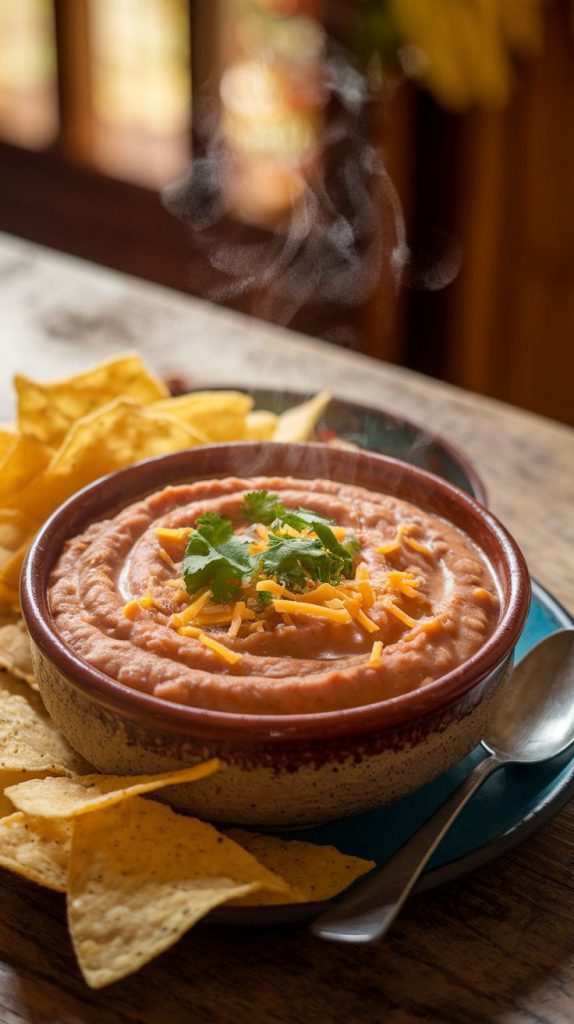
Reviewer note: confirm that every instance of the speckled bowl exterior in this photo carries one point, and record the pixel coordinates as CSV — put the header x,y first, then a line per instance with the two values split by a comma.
x,y
277,771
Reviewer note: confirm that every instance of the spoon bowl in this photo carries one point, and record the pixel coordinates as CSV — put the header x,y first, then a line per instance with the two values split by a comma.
x,y
533,722
535,718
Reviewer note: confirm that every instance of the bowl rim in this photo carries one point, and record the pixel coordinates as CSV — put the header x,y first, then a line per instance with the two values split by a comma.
x,y
126,486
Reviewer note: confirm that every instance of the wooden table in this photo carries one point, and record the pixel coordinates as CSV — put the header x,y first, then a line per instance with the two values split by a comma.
x,y
497,946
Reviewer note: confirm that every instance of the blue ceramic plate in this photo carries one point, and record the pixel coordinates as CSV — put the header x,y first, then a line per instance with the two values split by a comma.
x,y
508,808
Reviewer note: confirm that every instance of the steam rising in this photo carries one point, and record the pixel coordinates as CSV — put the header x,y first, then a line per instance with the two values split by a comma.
x,y
343,234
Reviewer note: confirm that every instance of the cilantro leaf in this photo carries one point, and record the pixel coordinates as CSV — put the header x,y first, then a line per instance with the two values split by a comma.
x,y
215,558
218,559
214,528
326,535
303,518
261,507
293,559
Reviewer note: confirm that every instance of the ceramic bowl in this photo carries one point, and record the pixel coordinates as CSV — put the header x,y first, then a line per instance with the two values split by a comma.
x,y
287,770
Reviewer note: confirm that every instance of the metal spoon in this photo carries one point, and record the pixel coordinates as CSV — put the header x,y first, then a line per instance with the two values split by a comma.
x,y
534,722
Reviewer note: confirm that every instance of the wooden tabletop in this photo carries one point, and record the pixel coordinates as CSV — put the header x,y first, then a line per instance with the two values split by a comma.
x,y
496,946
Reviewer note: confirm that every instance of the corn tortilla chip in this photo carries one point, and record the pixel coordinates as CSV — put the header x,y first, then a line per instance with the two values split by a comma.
x,y
9,599
68,797
30,742
298,423
313,872
15,528
24,460
261,425
115,436
8,438
217,415
46,411
15,653
36,849
140,876
13,779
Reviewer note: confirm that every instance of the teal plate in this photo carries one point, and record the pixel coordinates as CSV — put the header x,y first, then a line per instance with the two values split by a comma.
x,y
507,809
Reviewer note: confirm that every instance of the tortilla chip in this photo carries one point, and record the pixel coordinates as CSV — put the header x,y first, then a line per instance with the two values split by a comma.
x,y
15,527
13,779
15,653
9,599
36,849
217,415
46,411
66,798
8,438
113,437
30,742
313,872
25,458
16,531
140,876
298,423
261,425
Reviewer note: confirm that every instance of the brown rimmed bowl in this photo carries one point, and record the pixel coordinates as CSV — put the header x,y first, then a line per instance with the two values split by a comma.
x,y
286,770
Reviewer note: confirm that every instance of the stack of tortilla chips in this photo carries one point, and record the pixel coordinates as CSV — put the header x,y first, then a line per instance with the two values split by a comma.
x,y
136,874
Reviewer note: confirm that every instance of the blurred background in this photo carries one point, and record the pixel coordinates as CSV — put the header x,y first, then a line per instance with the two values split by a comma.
x,y
395,176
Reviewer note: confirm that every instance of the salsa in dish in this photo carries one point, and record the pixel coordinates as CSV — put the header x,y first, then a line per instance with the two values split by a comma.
x,y
273,596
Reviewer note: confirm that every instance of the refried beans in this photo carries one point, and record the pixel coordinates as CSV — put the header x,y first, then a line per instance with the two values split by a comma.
x,y
418,600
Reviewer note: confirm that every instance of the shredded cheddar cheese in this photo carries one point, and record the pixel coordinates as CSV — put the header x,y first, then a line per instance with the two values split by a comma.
x,y
131,610
399,613
214,618
417,546
340,615
430,625
376,649
240,612
364,620
188,614
403,534
340,532
364,585
222,652
192,631
166,558
272,588
404,582
288,531
390,548
182,533
324,592
147,601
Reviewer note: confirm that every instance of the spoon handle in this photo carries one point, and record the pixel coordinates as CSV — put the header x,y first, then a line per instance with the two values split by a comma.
x,y
367,913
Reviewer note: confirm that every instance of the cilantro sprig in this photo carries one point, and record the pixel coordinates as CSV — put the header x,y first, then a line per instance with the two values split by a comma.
x,y
217,558
261,507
